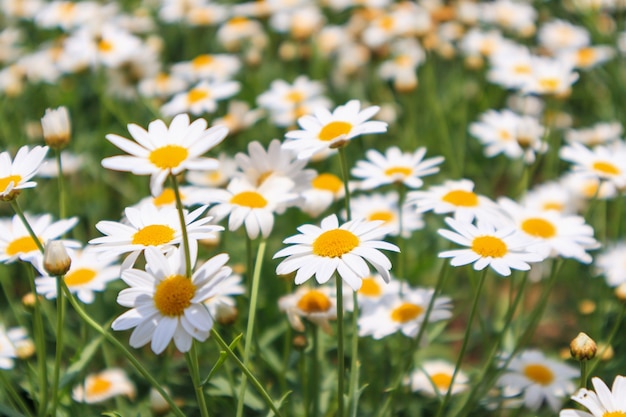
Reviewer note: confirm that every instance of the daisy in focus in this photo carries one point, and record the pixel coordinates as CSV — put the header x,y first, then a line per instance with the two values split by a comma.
x,y
325,130
15,174
434,378
330,248
103,385
395,167
501,249
602,402
162,151
539,379
165,304
318,305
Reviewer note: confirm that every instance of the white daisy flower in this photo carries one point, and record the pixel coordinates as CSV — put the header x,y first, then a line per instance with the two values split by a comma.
x,y
208,67
324,190
610,263
404,313
88,273
395,167
385,207
222,306
251,206
318,305
598,134
202,98
70,164
149,226
602,402
161,151
168,305
551,195
326,130
433,378
550,76
588,56
539,379
189,196
15,174
103,385
373,292
502,249
510,67
9,343
330,248
601,162
218,177
558,35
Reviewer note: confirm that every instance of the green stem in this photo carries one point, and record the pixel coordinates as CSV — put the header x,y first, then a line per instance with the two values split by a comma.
x,y
59,345
15,396
194,368
254,296
61,184
315,372
612,335
346,179
340,348
253,380
466,338
183,225
584,373
353,388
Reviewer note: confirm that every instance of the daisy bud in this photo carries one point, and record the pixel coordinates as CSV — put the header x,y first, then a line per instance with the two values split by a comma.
x,y
583,347
586,307
28,300
56,260
56,127
300,342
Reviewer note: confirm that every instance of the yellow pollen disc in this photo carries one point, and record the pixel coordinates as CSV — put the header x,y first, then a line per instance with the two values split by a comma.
x,y
314,302
441,380
549,84
250,199
522,69
487,47
166,197
162,79
406,312
238,20
168,156
294,97
327,182
21,245
197,94
263,177
67,8
461,198
553,205
539,228
335,243
538,373
386,22
98,386
4,182
590,189
105,46
385,216
201,61
504,135
153,235
614,414
333,130
585,57
370,288
489,246
79,277
173,295
400,171
403,61
606,168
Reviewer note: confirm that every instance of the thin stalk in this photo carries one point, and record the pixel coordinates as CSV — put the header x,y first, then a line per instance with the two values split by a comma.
x,y
254,296
353,382
466,337
183,225
61,185
584,373
17,398
59,344
315,372
612,335
194,368
340,348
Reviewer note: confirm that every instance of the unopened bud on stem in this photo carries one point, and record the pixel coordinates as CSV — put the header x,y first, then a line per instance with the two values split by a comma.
x,y
583,347
56,260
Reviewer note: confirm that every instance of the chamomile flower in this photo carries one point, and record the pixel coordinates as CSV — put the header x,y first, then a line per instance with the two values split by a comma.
x,y
325,130
587,57
539,379
403,313
602,402
149,226
208,67
251,206
324,190
201,98
395,166
218,177
550,76
598,134
502,249
558,35
318,305
330,248
373,292
385,207
161,150
16,174
222,306
602,162
433,378
9,342
551,195
610,263
189,196
88,273
103,385
165,304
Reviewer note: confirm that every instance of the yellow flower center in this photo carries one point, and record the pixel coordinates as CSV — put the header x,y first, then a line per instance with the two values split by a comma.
x,y
370,288
168,156
153,235
398,171
250,199
606,168
4,182
386,23
294,97
314,302
553,205
201,61
539,228
406,312
585,57
522,69
335,243
263,177
79,277
197,94
614,414
505,135
549,84
173,295
238,20
384,215
166,197
327,182
98,386
105,46
333,130
539,373
489,246
441,380
403,61
21,245
461,198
